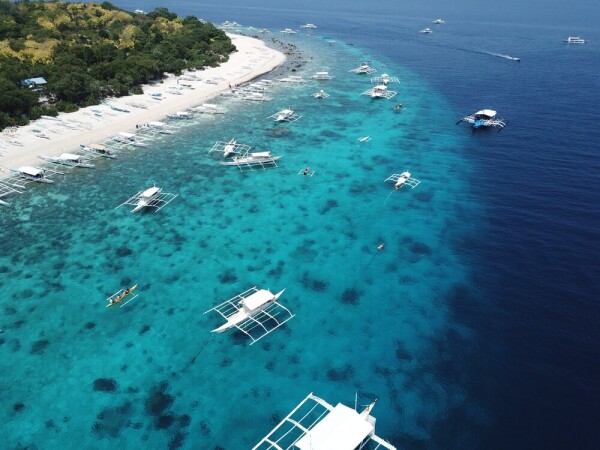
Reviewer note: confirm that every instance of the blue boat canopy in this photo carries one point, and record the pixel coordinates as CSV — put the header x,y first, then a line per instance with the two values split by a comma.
x,y
39,81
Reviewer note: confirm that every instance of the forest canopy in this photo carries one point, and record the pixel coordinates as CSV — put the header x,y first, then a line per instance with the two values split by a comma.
x,y
90,51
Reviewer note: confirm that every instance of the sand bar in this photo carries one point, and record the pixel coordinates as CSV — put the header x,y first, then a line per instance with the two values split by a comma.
x,y
51,137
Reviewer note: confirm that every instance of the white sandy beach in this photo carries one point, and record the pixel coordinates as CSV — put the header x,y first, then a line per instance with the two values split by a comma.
x,y
252,59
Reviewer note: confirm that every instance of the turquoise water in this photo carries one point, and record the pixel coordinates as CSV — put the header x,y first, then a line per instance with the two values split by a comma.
x,y
150,374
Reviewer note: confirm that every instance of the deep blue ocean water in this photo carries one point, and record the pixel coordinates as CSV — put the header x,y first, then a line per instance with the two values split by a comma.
x,y
475,328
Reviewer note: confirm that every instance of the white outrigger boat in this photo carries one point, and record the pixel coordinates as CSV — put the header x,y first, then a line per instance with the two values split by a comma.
x,y
126,138
322,75
30,174
153,197
320,94
69,160
285,115
380,91
385,79
180,115
485,118
294,79
426,31
575,40
209,108
98,149
250,159
315,424
438,21
403,179
309,26
229,148
364,68
288,31
255,312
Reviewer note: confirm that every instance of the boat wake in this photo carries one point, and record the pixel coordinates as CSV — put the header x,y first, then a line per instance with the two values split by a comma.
x,y
500,55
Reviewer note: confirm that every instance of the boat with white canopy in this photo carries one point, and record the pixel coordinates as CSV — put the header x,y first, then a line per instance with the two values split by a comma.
x,y
255,312
126,138
293,79
364,68
485,118
426,31
309,26
31,174
153,197
380,91
180,115
315,424
69,160
288,31
285,115
438,22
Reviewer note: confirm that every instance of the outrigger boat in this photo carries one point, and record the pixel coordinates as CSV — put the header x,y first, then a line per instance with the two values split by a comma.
x,y
486,118
309,26
254,312
403,179
438,21
36,174
120,295
288,31
68,159
209,108
380,91
98,149
426,31
285,115
320,94
574,40
314,424
322,76
249,159
364,68
229,148
152,197
385,79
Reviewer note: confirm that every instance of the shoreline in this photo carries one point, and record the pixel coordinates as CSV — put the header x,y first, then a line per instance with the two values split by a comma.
x,y
49,136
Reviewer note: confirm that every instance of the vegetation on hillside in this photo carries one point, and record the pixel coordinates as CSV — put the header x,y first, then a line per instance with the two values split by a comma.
x,y
90,51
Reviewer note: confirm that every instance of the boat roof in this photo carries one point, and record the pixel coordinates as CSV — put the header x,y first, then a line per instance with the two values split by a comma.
x,y
342,429
150,191
98,147
70,156
261,154
486,112
257,299
29,170
157,124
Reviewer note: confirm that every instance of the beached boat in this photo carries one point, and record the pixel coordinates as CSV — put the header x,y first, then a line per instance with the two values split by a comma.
x,y
292,79
209,108
121,295
485,118
98,149
426,31
285,115
68,159
249,159
322,76
309,26
179,115
128,139
33,174
315,424
575,40
255,312
379,91
288,31
364,68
